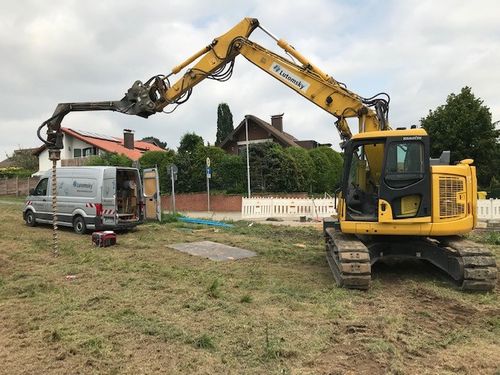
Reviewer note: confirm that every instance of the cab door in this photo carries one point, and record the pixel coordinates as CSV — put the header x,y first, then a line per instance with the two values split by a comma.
x,y
151,185
363,165
405,182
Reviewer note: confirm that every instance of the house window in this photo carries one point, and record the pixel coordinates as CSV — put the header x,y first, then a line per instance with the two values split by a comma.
x,y
77,153
88,151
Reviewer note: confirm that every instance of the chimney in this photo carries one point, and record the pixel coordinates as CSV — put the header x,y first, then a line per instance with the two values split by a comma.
x,y
128,139
277,122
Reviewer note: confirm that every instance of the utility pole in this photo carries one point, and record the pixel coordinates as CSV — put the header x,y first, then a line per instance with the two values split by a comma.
x,y
173,192
248,158
172,169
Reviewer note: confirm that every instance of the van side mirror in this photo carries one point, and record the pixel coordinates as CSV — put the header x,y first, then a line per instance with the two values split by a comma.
x,y
32,191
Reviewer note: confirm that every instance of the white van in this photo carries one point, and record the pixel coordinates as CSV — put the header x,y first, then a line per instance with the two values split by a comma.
x,y
93,198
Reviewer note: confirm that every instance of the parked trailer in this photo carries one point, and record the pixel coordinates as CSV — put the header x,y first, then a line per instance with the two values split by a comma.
x,y
95,198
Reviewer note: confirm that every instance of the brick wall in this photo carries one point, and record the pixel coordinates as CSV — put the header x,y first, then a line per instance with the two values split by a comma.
x,y
198,202
218,202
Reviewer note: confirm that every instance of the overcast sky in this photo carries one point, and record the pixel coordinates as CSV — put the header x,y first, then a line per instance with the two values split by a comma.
x,y
418,51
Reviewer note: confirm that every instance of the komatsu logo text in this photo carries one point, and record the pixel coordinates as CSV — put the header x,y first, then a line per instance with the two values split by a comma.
x,y
289,77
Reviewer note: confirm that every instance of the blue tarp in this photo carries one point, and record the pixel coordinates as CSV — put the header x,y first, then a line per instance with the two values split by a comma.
x,y
205,222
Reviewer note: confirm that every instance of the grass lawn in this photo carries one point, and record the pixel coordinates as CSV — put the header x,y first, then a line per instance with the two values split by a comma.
x,y
140,307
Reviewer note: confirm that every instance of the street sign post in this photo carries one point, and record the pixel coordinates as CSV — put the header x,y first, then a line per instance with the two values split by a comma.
x,y
209,176
172,171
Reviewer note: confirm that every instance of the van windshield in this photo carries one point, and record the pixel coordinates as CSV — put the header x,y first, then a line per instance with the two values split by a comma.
x,y
41,188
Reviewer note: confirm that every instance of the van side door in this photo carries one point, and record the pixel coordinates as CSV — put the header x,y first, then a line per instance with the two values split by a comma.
x,y
109,197
152,193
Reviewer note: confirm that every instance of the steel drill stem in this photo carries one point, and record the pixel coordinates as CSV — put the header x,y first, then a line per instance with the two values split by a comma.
x,y
54,208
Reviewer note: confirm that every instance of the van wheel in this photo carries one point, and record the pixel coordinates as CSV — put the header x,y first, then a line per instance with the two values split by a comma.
x,y
79,225
29,217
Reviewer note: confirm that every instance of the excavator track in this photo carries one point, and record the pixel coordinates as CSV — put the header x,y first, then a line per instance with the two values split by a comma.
x,y
472,266
349,259
479,265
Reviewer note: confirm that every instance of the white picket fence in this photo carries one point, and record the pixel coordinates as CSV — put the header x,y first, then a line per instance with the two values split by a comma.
x,y
488,209
254,208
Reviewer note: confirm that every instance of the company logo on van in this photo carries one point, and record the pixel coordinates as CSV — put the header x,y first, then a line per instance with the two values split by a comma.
x,y
80,185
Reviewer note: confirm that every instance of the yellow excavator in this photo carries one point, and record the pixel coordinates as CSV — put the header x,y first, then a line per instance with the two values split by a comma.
x,y
394,200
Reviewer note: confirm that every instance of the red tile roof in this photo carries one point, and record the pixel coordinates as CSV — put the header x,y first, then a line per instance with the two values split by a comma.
x,y
109,144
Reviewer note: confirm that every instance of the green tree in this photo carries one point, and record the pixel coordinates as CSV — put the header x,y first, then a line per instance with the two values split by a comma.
x,y
232,171
463,125
305,167
216,155
24,159
191,164
494,190
160,160
224,122
155,140
327,169
271,169
14,171
111,159
192,169
189,143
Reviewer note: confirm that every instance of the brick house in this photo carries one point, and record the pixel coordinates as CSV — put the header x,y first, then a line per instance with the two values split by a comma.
x,y
79,145
260,131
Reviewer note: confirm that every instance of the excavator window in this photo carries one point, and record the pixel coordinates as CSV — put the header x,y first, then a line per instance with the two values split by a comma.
x,y
405,163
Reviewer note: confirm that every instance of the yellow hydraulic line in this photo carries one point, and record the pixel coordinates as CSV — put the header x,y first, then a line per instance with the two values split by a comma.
x,y
178,68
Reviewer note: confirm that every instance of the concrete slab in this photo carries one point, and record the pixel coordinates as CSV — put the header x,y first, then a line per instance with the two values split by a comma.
x,y
213,250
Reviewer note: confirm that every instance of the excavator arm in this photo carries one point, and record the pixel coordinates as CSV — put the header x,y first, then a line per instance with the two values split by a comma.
x,y
216,61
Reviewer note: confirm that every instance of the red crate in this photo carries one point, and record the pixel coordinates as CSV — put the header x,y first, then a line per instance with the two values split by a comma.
x,y
104,238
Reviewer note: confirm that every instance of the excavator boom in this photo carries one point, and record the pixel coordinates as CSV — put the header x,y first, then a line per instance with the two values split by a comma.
x,y
216,61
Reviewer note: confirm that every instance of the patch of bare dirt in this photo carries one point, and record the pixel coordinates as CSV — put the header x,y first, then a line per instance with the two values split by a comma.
x,y
406,329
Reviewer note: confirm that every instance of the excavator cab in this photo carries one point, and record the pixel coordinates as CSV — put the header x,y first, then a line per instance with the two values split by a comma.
x,y
387,178
386,211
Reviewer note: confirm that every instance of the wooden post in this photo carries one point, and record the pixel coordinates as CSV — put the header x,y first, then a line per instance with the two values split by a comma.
x,y
17,186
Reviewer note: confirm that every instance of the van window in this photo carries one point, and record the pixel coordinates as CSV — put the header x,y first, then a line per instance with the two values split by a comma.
x,y
41,188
